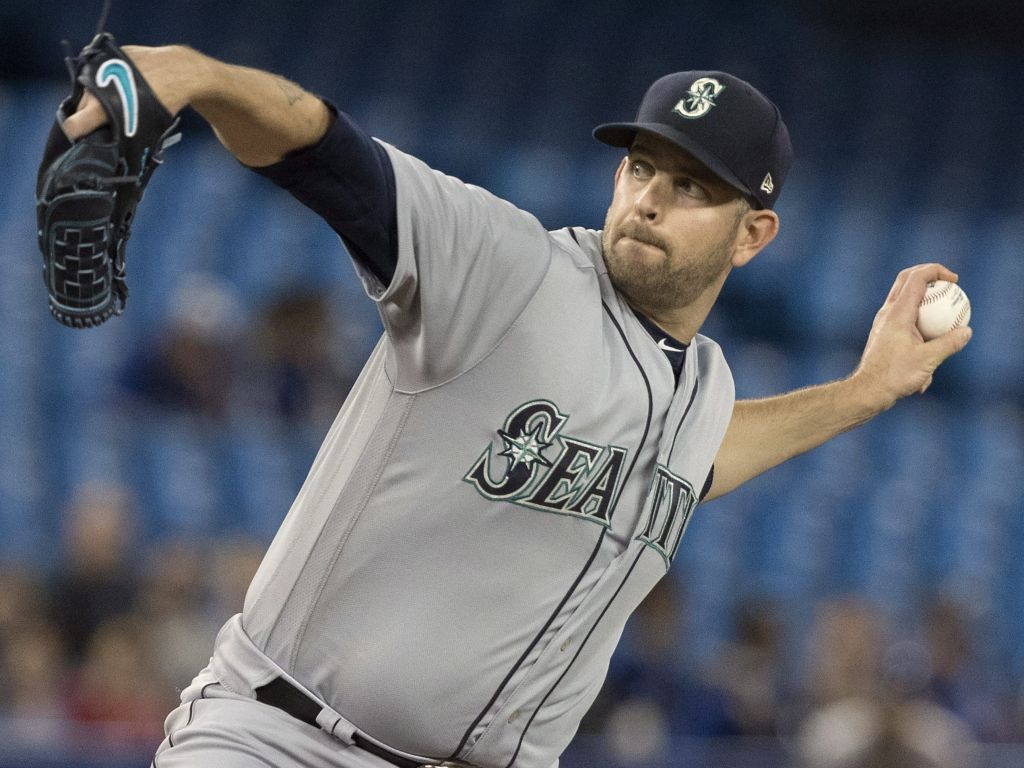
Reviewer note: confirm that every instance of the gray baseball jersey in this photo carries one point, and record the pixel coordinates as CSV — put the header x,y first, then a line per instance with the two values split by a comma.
x,y
509,477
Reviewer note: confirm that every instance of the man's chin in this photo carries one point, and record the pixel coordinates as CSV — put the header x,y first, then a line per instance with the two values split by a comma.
x,y
640,291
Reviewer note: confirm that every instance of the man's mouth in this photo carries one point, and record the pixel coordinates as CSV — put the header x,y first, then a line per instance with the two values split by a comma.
x,y
642,237
642,240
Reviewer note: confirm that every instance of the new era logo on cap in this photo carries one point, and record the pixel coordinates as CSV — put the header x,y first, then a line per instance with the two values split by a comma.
x,y
723,121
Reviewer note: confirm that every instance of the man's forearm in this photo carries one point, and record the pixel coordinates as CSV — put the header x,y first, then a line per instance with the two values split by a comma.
x,y
896,362
260,117
764,433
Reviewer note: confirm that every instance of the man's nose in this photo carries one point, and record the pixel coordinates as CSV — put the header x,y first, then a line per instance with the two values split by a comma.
x,y
649,200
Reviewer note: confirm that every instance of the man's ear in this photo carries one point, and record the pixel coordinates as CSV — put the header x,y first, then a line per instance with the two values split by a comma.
x,y
757,229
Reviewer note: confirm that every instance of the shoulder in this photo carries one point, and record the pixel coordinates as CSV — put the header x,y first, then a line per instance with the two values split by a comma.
x,y
422,187
581,245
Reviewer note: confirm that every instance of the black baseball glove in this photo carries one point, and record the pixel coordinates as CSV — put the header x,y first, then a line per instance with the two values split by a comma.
x,y
87,190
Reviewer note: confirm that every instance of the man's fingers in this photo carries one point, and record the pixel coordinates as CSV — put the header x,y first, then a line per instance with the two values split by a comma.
x,y
913,275
911,284
89,116
929,272
949,343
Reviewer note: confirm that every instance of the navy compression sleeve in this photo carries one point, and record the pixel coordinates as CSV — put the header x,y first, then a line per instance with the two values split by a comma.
x,y
347,179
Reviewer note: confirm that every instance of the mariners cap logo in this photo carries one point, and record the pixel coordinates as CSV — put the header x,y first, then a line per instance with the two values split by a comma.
x,y
699,100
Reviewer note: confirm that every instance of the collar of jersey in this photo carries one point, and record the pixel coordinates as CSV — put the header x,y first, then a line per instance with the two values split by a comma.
x,y
677,355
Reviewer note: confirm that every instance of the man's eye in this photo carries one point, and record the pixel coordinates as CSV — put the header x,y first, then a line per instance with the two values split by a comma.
x,y
691,187
641,170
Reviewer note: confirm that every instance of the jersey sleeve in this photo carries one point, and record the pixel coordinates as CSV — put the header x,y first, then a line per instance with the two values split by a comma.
x,y
347,179
468,265
708,483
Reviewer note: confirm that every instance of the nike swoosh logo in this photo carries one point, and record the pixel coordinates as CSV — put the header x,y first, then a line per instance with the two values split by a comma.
x,y
120,74
663,344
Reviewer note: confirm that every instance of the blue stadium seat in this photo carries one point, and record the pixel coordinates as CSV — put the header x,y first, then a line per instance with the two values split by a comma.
x,y
178,470
261,478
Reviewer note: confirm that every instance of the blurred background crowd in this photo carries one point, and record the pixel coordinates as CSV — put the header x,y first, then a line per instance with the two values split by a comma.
x,y
860,607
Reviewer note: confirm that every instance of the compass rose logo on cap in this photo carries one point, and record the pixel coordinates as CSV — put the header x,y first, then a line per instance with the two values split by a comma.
x,y
699,99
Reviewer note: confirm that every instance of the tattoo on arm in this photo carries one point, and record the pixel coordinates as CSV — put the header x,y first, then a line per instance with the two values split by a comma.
x,y
291,91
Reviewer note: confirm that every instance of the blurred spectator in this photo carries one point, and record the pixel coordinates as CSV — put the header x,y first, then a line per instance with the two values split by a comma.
x,y
33,672
192,366
751,674
956,684
172,609
140,634
116,689
23,599
847,646
302,381
188,592
862,717
652,694
32,665
97,579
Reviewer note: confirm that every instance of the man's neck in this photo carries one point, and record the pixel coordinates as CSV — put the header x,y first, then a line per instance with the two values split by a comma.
x,y
682,323
674,349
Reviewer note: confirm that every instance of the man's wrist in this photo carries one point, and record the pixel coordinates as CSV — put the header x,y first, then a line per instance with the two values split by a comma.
x,y
866,395
200,83
177,74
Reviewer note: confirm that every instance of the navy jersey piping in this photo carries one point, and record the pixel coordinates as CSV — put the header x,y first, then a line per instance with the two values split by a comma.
x,y
647,426
579,650
647,384
693,396
529,648
711,472
593,554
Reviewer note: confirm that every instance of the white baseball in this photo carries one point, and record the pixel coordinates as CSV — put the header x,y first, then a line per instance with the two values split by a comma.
x,y
943,308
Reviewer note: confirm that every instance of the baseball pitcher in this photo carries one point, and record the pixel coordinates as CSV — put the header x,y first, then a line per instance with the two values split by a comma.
x,y
517,464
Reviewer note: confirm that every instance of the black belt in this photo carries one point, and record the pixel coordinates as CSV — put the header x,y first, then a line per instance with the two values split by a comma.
x,y
282,694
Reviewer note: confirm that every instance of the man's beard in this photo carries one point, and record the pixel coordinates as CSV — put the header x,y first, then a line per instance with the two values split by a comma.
x,y
677,281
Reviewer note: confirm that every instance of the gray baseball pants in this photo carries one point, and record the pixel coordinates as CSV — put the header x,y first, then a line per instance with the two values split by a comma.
x,y
214,728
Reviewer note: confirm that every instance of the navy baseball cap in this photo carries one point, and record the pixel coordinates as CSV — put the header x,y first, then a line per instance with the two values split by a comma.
x,y
722,121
